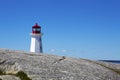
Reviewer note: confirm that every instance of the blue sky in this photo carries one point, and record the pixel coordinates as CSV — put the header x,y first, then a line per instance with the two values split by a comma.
x,y
77,28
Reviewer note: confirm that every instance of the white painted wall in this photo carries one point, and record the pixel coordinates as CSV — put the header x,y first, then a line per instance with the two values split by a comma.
x,y
36,43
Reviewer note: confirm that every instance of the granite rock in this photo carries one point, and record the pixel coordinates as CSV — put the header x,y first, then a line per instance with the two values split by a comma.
x,y
20,65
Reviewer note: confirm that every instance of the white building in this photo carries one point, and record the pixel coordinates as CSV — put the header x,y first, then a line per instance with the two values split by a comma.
x,y
36,41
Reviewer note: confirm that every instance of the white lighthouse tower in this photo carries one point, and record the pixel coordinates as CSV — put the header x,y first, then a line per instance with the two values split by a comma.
x,y
36,41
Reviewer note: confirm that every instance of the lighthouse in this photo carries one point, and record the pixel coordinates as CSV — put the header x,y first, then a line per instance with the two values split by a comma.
x,y
36,41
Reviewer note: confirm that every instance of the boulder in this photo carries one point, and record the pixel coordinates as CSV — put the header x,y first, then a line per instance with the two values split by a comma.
x,y
20,65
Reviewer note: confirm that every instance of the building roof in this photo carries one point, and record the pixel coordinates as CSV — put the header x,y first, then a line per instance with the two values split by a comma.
x,y
36,26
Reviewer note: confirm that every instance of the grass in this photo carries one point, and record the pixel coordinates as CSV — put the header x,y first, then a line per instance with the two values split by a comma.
x,y
1,72
20,74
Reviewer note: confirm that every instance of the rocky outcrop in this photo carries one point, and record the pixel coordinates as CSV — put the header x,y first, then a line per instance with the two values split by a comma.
x,y
18,65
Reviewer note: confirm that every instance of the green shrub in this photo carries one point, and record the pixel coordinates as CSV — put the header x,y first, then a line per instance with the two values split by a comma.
x,y
1,72
22,76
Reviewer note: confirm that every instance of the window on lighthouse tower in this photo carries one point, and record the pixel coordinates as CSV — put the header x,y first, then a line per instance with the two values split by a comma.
x,y
36,29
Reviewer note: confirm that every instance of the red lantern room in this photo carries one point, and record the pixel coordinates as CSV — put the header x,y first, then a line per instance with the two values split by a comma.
x,y
36,29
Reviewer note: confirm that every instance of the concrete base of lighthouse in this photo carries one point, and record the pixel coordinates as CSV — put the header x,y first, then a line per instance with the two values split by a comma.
x,y
36,43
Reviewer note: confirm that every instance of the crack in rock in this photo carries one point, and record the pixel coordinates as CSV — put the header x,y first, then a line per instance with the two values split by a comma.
x,y
61,59
2,62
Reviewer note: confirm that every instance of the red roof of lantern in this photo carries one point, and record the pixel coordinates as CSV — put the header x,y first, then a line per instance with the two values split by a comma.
x,y
36,26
